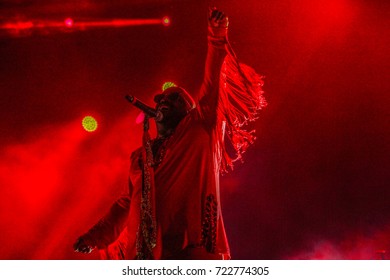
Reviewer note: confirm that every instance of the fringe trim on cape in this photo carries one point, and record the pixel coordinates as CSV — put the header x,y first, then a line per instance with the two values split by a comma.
x,y
240,99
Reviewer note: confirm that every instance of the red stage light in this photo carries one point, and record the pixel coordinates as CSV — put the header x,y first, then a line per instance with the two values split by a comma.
x,y
166,21
140,118
69,22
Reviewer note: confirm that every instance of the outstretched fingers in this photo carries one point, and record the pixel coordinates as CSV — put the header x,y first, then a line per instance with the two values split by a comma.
x,y
217,18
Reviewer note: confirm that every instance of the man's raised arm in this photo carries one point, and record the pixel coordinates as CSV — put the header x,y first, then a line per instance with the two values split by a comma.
x,y
216,52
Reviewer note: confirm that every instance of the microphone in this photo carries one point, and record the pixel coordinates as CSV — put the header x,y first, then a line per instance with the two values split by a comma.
x,y
158,116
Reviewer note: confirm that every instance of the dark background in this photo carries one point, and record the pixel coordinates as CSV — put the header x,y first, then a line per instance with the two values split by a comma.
x,y
314,186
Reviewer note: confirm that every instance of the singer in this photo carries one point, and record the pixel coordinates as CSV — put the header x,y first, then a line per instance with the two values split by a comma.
x,y
172,208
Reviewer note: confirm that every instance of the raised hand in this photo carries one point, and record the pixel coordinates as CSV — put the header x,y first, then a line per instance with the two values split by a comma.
x,y
217,18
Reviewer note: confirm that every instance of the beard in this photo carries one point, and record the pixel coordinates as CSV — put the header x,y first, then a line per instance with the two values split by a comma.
x,y
172,117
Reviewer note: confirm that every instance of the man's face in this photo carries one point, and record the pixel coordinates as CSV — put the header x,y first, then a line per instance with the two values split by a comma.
x,y
172,105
